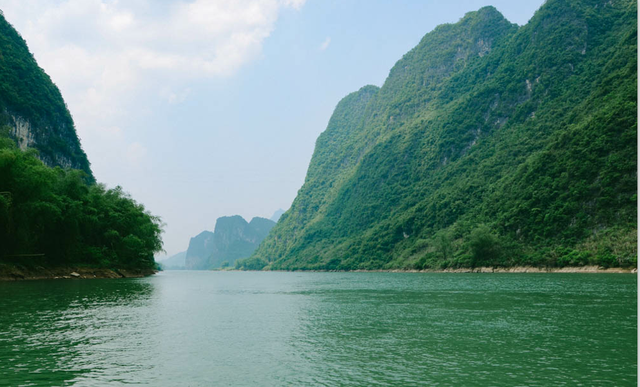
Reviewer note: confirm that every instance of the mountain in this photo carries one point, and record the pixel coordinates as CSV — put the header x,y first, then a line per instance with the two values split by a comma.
x,y
276,215
233,238
54,221
32,109
489,144
174,262
200,248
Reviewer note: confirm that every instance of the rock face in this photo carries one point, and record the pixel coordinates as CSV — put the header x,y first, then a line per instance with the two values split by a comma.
x,y
32,110
200,248
233,238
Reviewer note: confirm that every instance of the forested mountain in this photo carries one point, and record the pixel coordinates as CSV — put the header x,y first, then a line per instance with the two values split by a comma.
x,y
233,238
33,108
489,144
52,213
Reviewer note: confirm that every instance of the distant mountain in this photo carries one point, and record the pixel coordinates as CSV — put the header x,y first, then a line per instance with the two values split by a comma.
x,y
174,262
200,248
32,108
276,215
233,238
488,144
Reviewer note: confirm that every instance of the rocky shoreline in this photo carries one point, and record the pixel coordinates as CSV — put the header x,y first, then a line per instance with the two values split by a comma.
x,y
18,273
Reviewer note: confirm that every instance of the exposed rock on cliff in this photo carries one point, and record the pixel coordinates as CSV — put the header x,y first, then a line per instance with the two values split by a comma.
x,y
32,110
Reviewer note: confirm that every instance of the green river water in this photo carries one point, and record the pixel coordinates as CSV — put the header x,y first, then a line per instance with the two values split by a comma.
x,y
325,329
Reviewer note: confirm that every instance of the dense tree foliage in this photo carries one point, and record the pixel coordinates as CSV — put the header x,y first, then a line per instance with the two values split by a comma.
x,y
489,144
57,216
52,217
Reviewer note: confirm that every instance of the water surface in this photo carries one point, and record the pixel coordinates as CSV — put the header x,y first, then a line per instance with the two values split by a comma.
x,y
331,329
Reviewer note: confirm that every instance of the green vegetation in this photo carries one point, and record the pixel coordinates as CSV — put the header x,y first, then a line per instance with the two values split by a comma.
x,y
28,98
52,217
488,145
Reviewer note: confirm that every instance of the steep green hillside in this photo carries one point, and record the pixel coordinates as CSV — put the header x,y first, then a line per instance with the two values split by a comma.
x,y
54,216
488,144
276,215
33,108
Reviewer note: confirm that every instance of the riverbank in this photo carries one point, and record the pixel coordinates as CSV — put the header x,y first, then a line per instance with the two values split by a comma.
x,y
518,269
17,273
514,269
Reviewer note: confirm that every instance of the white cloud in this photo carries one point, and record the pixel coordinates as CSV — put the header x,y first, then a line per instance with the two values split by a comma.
x,y
206,37
325,44
173,97
297,4
108,56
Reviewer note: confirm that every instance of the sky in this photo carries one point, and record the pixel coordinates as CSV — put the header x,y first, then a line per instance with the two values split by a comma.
x,y
209,108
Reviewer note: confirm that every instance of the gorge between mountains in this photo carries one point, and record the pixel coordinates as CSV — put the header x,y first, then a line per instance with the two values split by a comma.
x,y
447,232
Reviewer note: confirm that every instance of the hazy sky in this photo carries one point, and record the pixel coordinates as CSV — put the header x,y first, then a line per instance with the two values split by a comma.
x,y
207,108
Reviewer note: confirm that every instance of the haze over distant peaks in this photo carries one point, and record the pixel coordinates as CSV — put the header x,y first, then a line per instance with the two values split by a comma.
x,y
276,215
174,262
233,238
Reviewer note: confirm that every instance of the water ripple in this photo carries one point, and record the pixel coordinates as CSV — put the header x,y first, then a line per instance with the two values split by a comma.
x,y
324,329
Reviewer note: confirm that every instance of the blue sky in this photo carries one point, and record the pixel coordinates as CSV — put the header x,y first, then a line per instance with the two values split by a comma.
x,y
207,108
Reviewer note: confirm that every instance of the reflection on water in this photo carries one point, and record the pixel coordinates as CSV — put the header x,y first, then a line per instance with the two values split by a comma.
x,y
55,332
227,328
449,329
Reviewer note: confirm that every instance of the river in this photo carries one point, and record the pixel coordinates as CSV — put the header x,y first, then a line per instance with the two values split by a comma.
x,y
328,329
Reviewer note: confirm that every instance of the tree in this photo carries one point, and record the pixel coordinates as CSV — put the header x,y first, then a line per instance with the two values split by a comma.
x,y
485,247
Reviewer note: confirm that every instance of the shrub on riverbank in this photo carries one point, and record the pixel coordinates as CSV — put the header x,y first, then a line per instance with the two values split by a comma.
x,y
54,216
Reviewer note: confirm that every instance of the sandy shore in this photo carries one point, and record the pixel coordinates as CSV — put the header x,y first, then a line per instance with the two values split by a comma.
x,y
15,273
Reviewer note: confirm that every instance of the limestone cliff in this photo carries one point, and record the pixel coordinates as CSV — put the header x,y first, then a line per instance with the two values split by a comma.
x,y
32,110
233,238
